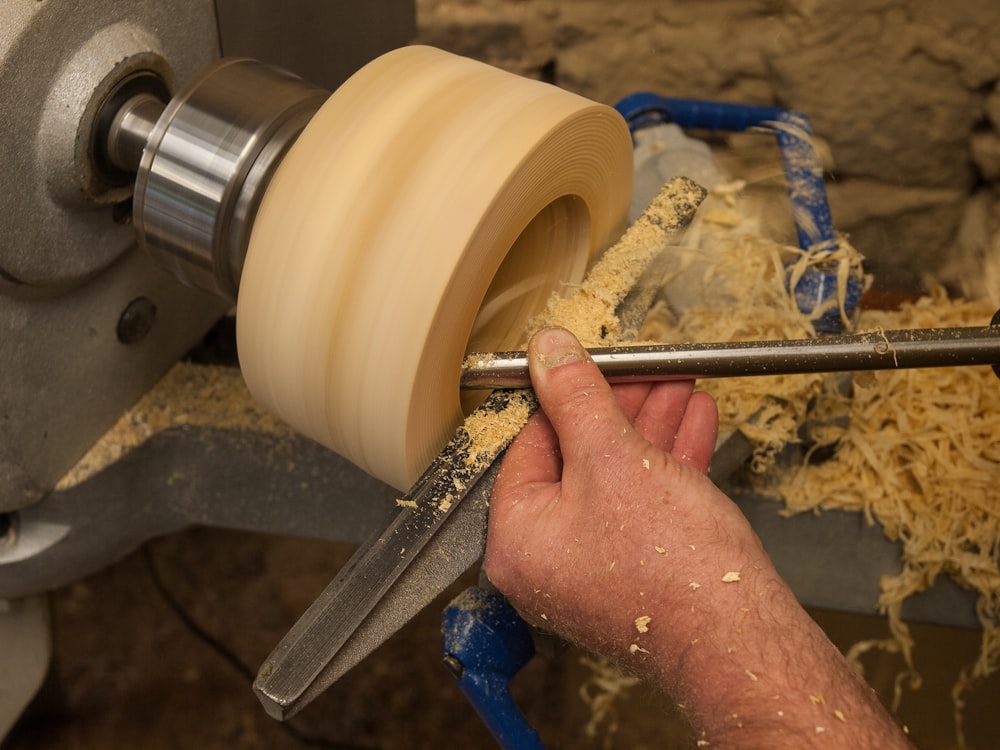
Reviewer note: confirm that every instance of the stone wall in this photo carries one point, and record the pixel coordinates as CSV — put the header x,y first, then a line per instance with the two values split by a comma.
x,y
905,93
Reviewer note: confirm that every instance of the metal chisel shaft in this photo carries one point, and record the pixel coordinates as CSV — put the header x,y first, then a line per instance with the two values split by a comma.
x,y
880,350
306,660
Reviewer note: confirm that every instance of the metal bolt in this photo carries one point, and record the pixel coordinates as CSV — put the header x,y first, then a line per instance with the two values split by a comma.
x,y
136,320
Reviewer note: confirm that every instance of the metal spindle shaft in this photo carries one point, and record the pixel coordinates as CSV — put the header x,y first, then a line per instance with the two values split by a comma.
x,y
880,350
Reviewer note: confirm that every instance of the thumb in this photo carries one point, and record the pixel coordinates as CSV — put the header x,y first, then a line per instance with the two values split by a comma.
x,y
574,395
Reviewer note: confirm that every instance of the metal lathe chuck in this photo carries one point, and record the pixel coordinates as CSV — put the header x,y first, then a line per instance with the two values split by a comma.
x,y
203,160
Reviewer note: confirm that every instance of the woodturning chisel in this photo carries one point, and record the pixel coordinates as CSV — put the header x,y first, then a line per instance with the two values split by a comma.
x,y
396,573
877,350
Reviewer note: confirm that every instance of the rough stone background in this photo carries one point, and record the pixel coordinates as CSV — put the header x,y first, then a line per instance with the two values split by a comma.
x,y
905,93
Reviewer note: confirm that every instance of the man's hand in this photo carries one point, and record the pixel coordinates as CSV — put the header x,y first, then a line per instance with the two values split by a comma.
x,y
574,519
605,530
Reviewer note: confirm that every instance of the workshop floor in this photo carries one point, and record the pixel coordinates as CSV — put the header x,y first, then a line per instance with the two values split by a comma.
x,y
129,672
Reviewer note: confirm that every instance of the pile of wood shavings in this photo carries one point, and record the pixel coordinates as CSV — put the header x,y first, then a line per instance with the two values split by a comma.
x,y
919,453
188,394
738,282
921,456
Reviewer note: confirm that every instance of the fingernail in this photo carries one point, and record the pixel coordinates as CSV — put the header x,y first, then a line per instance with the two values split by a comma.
x,y
557,347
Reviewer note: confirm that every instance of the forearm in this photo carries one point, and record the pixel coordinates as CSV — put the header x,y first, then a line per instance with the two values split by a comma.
x,y
708,620
683,594
750,666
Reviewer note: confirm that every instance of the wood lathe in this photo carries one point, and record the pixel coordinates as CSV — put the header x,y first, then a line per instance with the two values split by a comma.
x,y
371,240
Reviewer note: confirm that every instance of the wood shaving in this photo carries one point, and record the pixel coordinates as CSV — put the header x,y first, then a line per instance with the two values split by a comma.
x,y
599,692
642,623
731,577
921,457
751,675
724,306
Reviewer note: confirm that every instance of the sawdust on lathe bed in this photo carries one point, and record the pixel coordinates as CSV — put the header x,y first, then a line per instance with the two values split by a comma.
x,y
189,394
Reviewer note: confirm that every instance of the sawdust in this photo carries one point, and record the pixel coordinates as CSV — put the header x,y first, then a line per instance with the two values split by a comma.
x,y
489,431
188,395
591,311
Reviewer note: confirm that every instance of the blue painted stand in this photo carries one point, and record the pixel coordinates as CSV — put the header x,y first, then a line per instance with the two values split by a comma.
x,y
803,174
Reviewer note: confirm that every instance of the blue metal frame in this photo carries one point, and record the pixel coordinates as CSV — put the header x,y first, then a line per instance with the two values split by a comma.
x,y
486,643
803,174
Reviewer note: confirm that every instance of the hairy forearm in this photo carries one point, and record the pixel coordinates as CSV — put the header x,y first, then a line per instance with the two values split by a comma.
x,y
682,593
747,662
705,616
